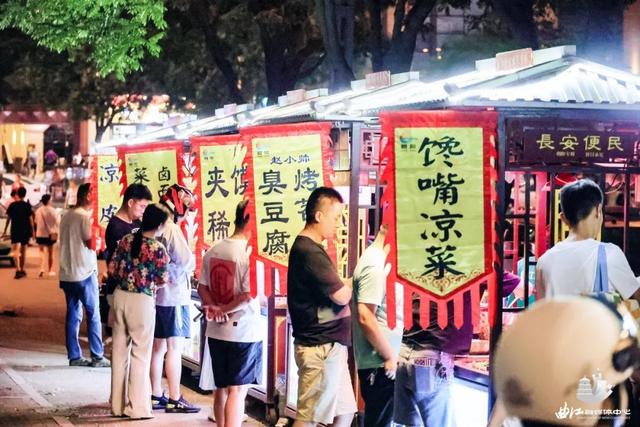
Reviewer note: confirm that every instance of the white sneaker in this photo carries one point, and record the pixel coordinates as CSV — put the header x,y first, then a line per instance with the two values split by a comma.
x,y
52,273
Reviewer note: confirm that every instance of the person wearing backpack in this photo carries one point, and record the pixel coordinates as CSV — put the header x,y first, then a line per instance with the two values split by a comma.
x,y
577,265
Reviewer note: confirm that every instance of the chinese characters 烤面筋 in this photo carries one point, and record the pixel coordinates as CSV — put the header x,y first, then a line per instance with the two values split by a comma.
x,y
441,234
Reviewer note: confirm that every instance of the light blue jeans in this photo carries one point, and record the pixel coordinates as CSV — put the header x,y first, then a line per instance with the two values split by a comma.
x,y
422,396
79,294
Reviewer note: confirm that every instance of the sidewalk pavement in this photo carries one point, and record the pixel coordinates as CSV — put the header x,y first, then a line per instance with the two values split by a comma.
x,y
37,386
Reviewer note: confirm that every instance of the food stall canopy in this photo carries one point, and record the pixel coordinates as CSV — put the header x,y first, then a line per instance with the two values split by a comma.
x,y
546,78
225,121
318,105
567,81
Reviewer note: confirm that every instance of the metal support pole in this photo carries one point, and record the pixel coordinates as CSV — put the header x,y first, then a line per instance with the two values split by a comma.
x,y
271,341
354,187
496,330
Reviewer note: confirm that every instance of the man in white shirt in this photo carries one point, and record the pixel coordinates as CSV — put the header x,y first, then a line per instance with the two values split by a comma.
x,y
235,341
569,268
79,281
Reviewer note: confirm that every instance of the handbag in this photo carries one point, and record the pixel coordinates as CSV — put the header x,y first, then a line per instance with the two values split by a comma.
x,y
53,237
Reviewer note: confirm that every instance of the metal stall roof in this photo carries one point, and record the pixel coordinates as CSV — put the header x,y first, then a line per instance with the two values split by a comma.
x,y
566,82
555,78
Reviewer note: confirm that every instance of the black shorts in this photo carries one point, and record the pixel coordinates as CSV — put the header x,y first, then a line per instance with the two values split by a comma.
x,y
46,241
172,322
235,363
20,238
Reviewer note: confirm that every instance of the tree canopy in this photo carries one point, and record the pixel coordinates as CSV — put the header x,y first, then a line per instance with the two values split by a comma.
x,y
115,34
79,54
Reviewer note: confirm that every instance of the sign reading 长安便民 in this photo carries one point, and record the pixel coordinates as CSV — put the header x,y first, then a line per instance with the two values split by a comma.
x,y
565,146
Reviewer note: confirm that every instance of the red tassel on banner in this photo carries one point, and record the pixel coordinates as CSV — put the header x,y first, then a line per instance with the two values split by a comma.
x,y
475,305
253,278
458,309
492,282
443,315
391,305
425,309
408,308
282,275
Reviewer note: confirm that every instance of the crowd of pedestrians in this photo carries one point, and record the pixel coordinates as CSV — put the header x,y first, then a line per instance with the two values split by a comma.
x,y
405,376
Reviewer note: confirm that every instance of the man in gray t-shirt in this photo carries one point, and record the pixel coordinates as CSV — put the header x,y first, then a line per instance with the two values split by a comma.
x,y
376,346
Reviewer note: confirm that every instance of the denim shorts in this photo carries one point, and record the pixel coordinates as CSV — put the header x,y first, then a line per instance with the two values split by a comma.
x,y
422,395
172,322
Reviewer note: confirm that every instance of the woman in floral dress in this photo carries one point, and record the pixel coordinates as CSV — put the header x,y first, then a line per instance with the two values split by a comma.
x,y
139,267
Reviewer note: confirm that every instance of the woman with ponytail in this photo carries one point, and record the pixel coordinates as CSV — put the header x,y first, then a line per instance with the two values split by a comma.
x,y
139,268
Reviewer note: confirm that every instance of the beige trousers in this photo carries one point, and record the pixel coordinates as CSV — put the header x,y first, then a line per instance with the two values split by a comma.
x,y
134,323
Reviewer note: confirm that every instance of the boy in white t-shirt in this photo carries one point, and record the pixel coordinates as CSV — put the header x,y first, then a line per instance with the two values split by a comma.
x,y
235,339
569,268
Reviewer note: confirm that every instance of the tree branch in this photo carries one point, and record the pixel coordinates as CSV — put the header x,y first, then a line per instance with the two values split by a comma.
x,y
202,18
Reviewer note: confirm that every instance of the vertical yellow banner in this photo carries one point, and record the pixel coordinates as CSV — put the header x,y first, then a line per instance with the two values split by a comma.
x,y
223,178
286,170
109,186
158,170
440,206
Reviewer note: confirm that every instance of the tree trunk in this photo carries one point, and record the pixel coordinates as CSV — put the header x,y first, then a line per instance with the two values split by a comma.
x,y
100,130
284,59
518,14
377,41
205,17
338,26
406,27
